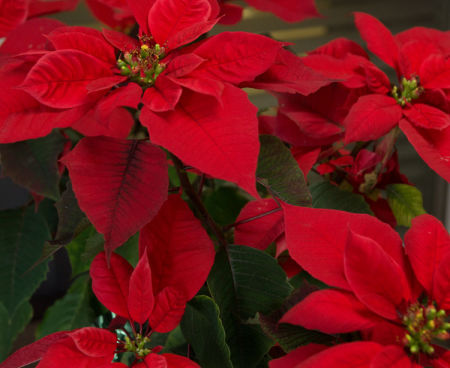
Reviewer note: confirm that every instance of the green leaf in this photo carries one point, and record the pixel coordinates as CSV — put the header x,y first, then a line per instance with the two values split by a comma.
x,y
12,326
22,236
201,323
175,342
244,281
405,202
76,250
71,312
327,195
33,163
278,168
224,204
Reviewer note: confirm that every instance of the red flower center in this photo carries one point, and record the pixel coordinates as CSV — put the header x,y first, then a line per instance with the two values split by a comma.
x,y
142,65
409,90
423,325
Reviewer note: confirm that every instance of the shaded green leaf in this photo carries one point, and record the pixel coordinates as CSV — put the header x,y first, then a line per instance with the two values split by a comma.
x,y
175,342
22,237
70,312
278,168
12,325
224,204
244,281
203,329
327,195
405,201
33,163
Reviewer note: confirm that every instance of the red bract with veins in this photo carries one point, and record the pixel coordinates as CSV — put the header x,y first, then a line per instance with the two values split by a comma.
x,y
15,12
418,105
406,304
176,256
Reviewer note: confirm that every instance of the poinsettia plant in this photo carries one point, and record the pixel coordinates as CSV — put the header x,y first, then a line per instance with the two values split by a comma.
x,y
201,232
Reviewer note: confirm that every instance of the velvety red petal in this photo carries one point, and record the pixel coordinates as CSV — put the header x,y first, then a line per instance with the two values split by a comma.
x,y
231,13
140,9
59,79
83,39
120,40
331,311
221,141
162,96
378,38
120,184
316,240
12,13
180,251
306,158
182,65
432,145
41,7
383,294
426,243
140,295
168,310
261,231
115,14
206,86
236,57
371,117
288,10
95,342
441,284
392,356
178,361
110,282
426,116
339,48
349,355
435,72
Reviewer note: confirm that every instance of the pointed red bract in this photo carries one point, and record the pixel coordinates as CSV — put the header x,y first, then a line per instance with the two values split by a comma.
x,y
163,96
119,184
331,311
441,283
168,19
364,257
371,117
428,117
110,283
12,13
95,342
168,310
140,296
59,79
378,38
178,361
236,57
427,242
264,228
392,357
221,141
179,250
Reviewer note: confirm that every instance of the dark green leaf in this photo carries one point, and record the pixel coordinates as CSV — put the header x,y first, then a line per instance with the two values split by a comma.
x,y
278,168
203,329
71,312
244,281
176,343
405,202
33,163
22,236
12,325
327,195
224,204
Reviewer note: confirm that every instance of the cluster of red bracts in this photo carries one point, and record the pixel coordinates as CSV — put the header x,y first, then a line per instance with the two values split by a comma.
x,y
189,97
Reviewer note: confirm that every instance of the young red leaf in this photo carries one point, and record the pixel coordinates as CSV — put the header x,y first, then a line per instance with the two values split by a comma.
x,y
163,96
383,294
141,9
441,284
427,242
378,38
331,311
140,297
428,117
182,65
153,360
180,251
12,13
371,117
41,7
288,10
95,342
265,224
316,240
83,39
33,352
221,141
178,361
120,40
168,310
59,79
168,18
392,356
432,145
110,283
236,57
119,184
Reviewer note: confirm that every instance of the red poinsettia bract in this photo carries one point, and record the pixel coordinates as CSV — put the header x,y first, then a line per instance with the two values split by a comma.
x,y
393,295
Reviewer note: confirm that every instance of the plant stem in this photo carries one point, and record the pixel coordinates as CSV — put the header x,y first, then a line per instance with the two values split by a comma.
x,y
237,223
205,217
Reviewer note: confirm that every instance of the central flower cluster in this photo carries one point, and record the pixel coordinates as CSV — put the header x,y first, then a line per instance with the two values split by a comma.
x,y
138,346
424,324
408,91
142,65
